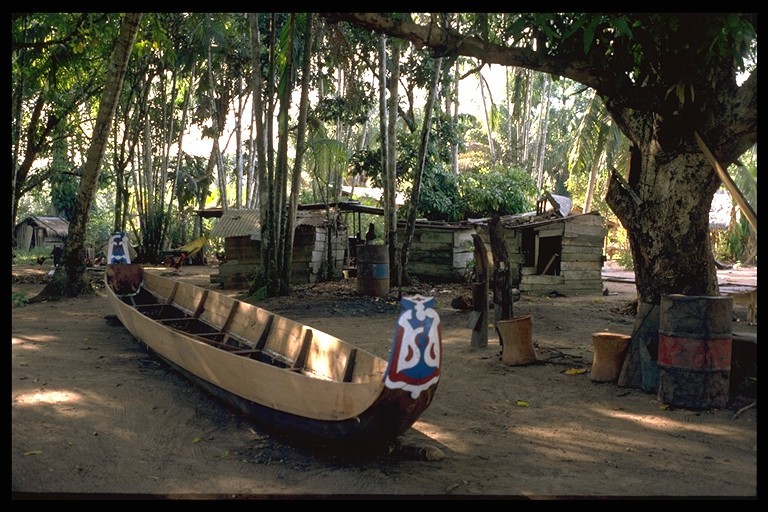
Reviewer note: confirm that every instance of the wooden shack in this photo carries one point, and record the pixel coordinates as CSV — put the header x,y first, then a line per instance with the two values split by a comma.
x,y
553,249
314,231
319,247
440,252
36,232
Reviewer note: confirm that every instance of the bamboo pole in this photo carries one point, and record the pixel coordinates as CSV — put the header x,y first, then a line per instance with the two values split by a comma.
x,y
728,181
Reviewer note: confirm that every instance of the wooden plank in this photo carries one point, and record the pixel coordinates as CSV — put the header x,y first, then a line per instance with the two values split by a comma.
x,y
580,265
432,257
593,219
580,253
543,279
172,295
426,236
580,229
550,231
201,303
247,352
265,333
349,367
549,263
301,358
582,275
585,240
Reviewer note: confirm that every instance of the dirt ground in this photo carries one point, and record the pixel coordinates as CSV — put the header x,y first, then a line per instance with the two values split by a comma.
x,y
95,416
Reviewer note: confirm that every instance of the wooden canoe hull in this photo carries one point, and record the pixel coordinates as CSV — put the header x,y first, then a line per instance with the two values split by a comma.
x,y
290,378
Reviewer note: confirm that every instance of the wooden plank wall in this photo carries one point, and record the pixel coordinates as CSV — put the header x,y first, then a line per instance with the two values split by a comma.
x,y
439,254
581,260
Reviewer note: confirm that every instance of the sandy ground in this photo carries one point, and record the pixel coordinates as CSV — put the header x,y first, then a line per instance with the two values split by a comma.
x,y
95,416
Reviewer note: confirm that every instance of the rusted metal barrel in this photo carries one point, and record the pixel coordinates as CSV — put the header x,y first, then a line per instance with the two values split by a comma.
x,y
695,341
373,270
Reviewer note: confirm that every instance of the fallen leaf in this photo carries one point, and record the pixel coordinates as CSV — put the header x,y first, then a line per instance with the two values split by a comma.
x,y
575,371
196,440
33,452
522,403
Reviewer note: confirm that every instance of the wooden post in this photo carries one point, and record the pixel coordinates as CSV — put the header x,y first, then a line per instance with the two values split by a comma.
x,y
502,294
479,317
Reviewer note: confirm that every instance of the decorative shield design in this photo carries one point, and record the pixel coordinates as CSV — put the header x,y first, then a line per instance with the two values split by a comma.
x,y
416,348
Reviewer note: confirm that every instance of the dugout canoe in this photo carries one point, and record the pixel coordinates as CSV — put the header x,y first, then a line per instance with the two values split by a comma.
x,y
290,378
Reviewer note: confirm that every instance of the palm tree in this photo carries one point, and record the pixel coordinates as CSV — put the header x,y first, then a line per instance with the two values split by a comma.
x,y
598,146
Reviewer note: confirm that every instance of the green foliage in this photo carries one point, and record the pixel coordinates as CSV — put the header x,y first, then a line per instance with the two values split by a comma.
x,y
19,300
624,257
30,257
257,286
740,245
496,190
353,109
440,198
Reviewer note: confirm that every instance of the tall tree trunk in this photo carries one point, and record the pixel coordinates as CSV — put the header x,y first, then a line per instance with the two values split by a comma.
x,y
269,233
383,117
390,184
660,204
69,280
177,185
259,143
543,128
591,182
453,108
419,172
281,286
217,129
487,117
526,117
239,144
300,149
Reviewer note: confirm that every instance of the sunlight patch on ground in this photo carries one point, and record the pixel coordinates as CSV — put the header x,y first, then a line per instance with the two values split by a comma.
x,y
666,424
29,342
440,436
47,397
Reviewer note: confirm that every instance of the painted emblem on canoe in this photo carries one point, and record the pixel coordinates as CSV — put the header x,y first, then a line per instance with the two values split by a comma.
x,y
415,362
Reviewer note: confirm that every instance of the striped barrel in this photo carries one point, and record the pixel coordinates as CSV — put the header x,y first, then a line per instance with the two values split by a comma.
x,y
694,359
373,270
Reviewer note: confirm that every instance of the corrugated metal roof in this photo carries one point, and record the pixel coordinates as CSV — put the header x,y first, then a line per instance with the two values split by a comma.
x,y
237,223
248,223
314,218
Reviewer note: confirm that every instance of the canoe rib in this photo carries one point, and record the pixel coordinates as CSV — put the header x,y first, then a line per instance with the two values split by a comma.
x,y
287,376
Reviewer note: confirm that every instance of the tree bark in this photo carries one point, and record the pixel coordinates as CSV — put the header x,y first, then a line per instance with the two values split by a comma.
x,y
293,204
390,185
259,144
69,279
